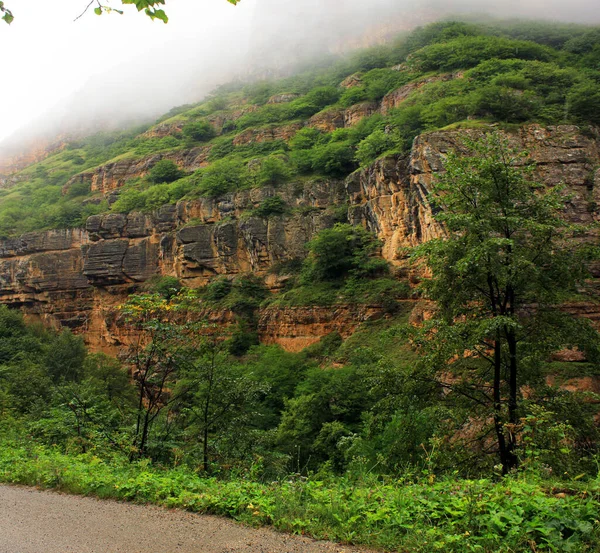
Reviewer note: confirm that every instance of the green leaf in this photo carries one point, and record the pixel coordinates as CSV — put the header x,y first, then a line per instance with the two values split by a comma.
x,y
160,14
156,14
98,11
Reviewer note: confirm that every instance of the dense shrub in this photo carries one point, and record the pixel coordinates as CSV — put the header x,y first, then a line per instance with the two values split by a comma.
x,y
271,206
585,43
507,104
373,58
273,170
470,51
223,176
148,146
334,159
165,171
260,92
166,286
242,295
434,33
378,82
373,146
218,289
548,33
584,101
200,131
342,251
64,361
306,138
353,96
241,340
144,197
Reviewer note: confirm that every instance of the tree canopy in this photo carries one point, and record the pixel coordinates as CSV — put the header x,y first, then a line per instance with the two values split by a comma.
x,y
499,278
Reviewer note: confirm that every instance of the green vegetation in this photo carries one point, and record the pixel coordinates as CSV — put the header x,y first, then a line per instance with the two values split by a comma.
x,y
342,251
199,131
164,171
508,248
445,436
419,514
271,206
470,51
502,72
342,266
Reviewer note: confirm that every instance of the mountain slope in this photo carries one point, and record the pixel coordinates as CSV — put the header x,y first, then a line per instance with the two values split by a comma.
x,y
242,181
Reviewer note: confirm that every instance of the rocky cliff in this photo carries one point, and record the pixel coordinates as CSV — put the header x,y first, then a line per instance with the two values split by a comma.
x,y
76,277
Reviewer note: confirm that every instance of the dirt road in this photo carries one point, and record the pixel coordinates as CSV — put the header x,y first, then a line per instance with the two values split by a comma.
x,y
33,521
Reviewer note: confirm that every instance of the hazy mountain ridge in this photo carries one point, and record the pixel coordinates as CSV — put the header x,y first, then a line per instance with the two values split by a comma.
x,y
258,169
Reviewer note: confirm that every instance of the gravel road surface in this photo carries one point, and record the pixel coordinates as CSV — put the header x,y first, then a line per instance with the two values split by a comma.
x,y
33,521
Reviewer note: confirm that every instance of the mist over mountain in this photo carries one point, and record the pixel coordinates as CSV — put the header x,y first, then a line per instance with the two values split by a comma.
x,y
183,61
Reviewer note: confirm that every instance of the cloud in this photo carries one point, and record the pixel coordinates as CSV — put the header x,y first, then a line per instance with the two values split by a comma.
x,y
108,70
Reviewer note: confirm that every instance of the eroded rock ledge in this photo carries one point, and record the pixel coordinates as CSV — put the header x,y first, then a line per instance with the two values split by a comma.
x,y
76,277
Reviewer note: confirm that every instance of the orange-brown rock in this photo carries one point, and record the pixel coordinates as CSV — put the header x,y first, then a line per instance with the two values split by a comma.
x,y
295,328
391,200
267,134
569,356
397,97
224,120
283,98
390,197
76,277
33,151
586,384
356,113
114,175
352,81
328,121
165,129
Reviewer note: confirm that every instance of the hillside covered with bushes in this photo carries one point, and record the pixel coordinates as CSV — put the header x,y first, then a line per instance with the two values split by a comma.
x,y
359,302
324,122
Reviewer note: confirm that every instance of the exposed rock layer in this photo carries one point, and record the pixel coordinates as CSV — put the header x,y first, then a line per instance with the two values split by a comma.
x,y
76,277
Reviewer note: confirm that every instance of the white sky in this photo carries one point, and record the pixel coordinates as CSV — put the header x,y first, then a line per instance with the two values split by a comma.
x,y
46,56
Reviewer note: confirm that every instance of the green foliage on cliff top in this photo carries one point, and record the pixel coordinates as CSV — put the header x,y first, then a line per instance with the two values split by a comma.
x,y
509,72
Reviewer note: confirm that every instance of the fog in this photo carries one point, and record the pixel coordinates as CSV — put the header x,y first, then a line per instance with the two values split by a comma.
x,y
66,77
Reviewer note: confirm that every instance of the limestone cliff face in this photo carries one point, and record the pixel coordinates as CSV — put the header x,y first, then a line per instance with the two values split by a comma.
x,y
395,98
390,197
76,277
33,151
112,176
295,328
268,134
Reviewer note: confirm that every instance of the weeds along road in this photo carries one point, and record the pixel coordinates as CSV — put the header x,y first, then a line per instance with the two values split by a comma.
x,y
33,521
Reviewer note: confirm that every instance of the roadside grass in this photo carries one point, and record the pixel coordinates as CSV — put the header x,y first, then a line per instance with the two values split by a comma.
x,y
524,513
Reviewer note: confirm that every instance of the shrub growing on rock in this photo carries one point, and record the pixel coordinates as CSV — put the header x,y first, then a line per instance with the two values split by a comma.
x,y
165,171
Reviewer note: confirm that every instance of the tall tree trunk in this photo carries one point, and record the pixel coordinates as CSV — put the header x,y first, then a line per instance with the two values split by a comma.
x,y
511,340
205,449
138,423
512,400
145,433
498,424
